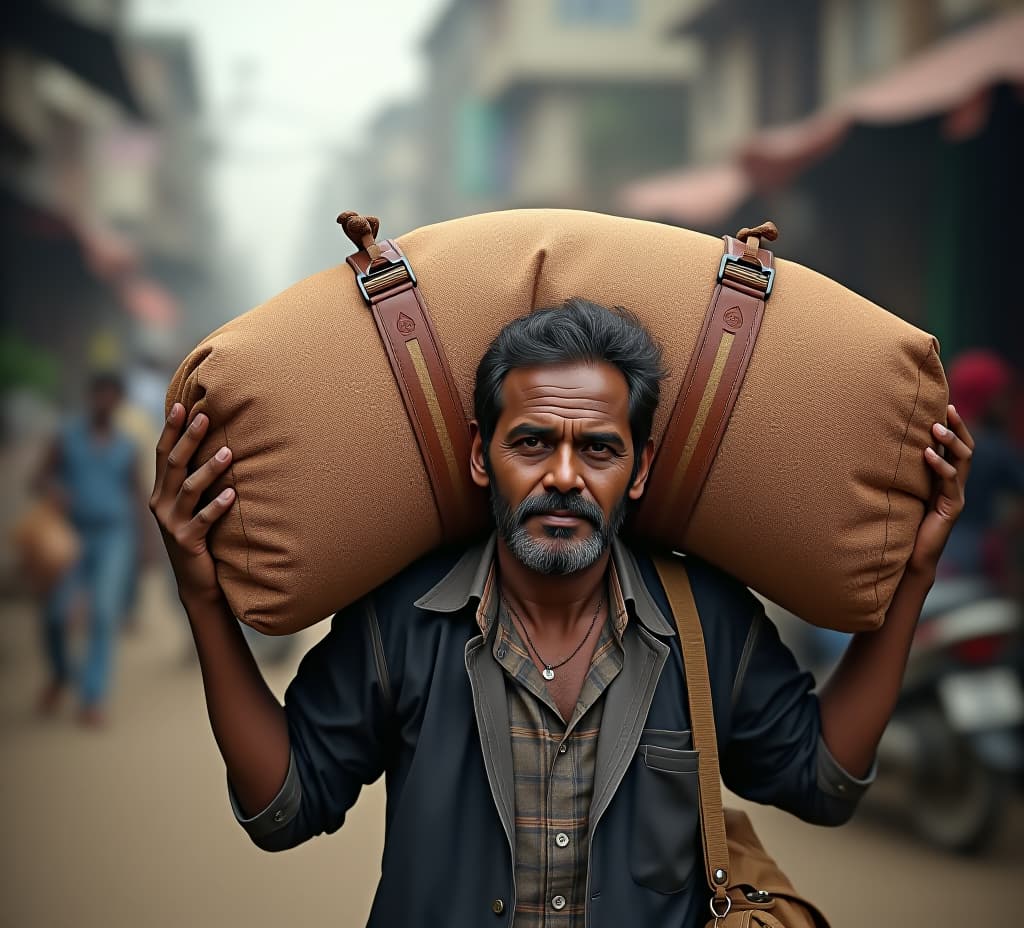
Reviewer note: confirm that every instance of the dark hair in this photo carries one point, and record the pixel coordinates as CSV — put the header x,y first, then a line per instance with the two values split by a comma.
x,y
105,379
578,330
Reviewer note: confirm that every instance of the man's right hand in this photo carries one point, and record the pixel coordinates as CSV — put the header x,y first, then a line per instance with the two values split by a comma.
x,y
248,722
173,503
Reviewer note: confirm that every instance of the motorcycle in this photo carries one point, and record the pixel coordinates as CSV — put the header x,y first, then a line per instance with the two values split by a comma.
x,y
953,751
957,733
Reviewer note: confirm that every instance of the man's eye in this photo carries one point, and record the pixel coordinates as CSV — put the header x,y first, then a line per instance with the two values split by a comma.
x,y
531,442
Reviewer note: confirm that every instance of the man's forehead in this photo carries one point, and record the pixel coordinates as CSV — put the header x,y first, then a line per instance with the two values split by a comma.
x,y
584,390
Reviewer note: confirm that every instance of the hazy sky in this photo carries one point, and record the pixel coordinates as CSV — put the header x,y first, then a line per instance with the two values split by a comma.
x,y
281,83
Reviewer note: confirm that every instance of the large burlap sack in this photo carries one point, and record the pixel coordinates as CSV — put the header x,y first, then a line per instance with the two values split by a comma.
x,y
813,500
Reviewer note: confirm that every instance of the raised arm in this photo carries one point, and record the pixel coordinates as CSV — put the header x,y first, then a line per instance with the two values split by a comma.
x,y
859,697
248,722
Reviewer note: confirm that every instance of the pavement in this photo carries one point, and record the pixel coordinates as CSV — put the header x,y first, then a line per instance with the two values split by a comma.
x,y
130,826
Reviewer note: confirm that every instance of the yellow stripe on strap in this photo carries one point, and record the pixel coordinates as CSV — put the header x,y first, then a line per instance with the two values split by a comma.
x,y
710,389
445,440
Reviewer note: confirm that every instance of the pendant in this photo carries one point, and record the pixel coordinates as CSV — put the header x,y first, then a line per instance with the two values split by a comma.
x,y
547,673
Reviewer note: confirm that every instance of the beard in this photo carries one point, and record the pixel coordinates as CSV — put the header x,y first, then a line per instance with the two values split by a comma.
x,y
559,553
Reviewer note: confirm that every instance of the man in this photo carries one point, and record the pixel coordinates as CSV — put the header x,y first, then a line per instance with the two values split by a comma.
x,y
91,471
525,698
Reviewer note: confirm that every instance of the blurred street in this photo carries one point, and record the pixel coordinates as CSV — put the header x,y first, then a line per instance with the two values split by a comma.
x,y
167,164
131,826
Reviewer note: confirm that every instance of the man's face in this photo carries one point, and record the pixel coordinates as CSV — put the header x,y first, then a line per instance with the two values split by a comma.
x,y
560,464
104,398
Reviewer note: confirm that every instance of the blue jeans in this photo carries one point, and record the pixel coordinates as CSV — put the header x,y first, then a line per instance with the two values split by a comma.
x,y
104,569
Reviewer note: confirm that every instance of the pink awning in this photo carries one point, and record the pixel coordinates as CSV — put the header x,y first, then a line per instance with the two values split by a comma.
x,y
149,302
692,196
954,79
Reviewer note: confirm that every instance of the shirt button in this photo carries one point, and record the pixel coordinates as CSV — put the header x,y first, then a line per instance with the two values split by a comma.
x,y
501,654
561,839
562,748
498,906
558,903
279,815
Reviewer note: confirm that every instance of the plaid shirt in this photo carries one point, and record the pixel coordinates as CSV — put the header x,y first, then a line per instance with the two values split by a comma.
x,y
553,764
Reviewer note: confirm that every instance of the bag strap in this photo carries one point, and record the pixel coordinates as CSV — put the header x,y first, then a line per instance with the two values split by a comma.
x,y
702,720
712,382
432,403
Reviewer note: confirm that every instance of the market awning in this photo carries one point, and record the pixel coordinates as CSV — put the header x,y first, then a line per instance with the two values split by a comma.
x,y
694,196
149,301
953,79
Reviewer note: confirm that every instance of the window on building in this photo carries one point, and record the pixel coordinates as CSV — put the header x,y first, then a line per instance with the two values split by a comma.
x,y
613,12
481,149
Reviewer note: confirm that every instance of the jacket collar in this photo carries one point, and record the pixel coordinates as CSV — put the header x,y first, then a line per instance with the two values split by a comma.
x,y
472,577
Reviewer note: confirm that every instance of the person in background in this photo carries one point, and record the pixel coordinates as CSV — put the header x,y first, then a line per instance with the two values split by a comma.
x,y
91,471
980,385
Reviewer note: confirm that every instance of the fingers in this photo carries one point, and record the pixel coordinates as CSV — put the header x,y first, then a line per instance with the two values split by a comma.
x,y
956,447
957,424
940,465
195,530
168,436
952,469
175,461
193,486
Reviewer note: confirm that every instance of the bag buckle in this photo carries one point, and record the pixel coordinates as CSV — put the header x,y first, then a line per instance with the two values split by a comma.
x,y
374,281
739,271
726,906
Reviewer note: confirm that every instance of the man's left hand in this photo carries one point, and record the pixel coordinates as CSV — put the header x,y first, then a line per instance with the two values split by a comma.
x,y
947,499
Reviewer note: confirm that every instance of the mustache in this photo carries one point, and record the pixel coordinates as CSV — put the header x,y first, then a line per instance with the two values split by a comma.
x,y
553,501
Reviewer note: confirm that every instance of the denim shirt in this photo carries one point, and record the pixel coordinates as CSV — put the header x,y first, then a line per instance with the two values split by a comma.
x,y
405,685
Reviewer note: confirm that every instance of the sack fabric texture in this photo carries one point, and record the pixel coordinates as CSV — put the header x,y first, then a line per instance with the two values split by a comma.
x,y
813,499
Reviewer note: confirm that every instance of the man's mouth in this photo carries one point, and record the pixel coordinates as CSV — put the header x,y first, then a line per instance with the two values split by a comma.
x,y
561,518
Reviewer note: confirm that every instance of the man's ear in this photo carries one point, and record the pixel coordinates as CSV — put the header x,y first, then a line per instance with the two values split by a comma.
x,y
476,456
636,488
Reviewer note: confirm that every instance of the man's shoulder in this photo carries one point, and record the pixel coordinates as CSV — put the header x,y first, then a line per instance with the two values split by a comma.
x,y
711,585
399,594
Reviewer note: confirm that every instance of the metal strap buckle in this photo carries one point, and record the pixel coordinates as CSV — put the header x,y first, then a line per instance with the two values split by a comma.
x,y
372,283
727,907
756,276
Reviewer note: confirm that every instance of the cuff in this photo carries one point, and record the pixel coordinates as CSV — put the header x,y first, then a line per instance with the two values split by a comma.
x,y
277,815
837,782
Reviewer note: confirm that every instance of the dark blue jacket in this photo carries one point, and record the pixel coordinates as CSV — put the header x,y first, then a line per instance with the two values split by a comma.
x,y
405,685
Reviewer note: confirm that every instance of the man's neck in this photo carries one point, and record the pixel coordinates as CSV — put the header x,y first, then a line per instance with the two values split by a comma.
x,y
557,602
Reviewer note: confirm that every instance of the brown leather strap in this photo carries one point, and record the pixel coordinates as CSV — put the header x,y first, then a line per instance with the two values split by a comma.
x,y
709,390
425,382
674,578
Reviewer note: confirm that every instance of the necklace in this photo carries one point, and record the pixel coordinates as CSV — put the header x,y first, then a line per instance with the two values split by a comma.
x,y
548,673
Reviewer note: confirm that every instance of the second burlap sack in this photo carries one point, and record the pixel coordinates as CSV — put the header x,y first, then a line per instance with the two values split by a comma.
x,y
814,497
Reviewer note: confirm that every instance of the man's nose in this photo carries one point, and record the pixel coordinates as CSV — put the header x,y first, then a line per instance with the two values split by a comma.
x,y
563,475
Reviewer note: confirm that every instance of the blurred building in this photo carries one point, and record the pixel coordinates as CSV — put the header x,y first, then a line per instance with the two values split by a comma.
x,y
549,102
391,170
883,137
64,84
101,197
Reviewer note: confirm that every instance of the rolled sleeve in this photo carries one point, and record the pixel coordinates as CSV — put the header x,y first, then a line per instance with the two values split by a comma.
x,y
275,820
775,752
339,724
836,781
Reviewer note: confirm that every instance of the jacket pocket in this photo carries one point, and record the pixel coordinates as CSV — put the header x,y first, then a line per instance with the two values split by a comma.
x,y
666,816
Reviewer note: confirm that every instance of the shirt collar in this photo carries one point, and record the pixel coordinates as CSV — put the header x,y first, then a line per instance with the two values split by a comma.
x,y
471,581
